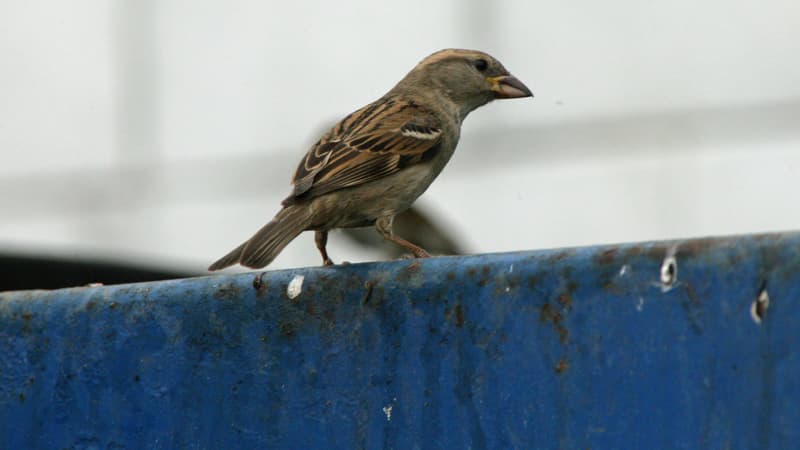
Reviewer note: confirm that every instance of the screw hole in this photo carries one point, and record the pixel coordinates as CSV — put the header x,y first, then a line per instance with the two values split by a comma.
x,y
669,271
759,307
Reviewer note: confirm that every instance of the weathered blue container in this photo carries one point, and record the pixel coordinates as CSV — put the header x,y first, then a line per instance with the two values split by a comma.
x,y
690,344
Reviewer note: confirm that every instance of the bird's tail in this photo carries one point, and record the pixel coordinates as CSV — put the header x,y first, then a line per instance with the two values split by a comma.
x,y
267,243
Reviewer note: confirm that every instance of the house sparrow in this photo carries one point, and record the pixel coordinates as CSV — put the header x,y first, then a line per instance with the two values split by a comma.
x,y
375,162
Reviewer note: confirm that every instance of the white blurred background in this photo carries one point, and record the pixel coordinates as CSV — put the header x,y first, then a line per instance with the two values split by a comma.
x,y
165,132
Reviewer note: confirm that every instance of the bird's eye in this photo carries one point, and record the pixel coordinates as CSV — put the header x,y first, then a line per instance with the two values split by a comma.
x,y
480,64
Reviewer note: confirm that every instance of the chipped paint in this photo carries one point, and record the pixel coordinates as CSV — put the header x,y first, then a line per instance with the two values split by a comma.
x,y
295,287
387,410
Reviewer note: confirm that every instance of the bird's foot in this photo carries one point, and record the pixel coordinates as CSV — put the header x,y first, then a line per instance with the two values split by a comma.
x,y
415,255
420,253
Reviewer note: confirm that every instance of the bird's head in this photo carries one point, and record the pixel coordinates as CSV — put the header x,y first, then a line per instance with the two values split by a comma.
x,y
469,78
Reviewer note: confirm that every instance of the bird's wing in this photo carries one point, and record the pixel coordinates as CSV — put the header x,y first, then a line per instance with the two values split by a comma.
x,y
378,140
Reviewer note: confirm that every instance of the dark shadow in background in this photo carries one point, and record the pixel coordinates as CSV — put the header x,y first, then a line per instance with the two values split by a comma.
x,y
20,272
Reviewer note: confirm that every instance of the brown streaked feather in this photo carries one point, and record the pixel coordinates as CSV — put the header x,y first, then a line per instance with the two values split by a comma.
x,y
267,243
373,142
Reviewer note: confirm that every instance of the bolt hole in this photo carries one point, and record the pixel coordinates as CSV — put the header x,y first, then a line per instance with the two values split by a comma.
x,y
669,271
759,307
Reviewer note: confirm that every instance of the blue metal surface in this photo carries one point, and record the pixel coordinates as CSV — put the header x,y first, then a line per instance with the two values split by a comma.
x,y
572,348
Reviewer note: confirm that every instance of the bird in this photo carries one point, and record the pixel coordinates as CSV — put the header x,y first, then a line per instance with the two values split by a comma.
x,y
375,162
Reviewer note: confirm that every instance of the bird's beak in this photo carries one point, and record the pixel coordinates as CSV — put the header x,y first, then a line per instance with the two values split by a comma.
x,y
508,86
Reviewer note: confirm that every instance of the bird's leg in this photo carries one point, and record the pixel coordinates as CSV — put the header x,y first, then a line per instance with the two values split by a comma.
x,y
321,239
384,227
